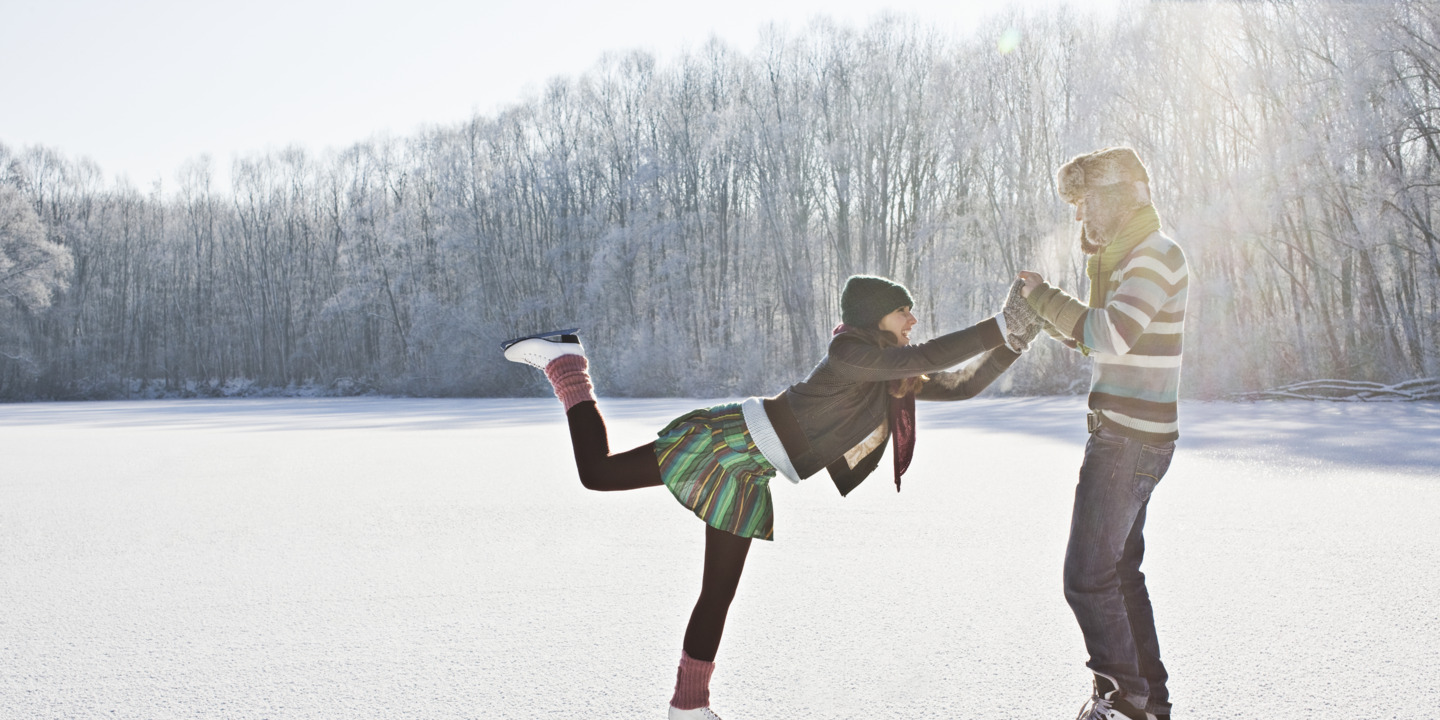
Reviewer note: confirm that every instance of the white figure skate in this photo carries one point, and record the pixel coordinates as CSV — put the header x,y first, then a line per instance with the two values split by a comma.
x,y
538,350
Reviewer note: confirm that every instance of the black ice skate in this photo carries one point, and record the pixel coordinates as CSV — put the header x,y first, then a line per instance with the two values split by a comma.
x,y
1108,703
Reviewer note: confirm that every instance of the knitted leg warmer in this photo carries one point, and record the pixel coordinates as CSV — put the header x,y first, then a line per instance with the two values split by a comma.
x,y
570,376
692,683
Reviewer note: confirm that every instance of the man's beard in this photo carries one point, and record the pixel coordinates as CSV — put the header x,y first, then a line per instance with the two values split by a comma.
x,y
1088,246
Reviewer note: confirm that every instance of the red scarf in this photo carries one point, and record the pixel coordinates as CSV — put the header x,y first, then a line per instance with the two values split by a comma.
x,y
902,423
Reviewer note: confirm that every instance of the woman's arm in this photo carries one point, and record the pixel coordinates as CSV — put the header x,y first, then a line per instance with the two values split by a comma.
x,y
859,361
968,382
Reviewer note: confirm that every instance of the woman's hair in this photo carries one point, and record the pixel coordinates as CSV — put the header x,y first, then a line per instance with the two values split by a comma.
x,y
885,339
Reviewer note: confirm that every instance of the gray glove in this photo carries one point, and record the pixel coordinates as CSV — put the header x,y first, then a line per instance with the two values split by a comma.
x,y
1021,322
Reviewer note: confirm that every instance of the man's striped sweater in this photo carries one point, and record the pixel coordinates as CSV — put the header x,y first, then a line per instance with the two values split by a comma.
x,y
1135,337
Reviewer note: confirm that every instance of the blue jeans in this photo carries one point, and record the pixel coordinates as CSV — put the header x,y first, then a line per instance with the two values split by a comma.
x,y
1103,582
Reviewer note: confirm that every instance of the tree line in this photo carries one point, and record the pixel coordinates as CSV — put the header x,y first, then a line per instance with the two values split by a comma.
x,y
698,217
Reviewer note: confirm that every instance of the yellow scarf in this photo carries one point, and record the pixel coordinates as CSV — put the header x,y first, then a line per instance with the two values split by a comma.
x,y
1145,221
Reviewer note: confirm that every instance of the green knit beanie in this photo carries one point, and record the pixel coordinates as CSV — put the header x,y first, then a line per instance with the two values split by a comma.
x,y
867,298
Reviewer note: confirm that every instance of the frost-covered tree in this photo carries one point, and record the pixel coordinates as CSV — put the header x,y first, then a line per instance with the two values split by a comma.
x,y
32,268
697,216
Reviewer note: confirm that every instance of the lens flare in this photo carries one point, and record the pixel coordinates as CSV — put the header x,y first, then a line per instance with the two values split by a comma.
x,y
1009,41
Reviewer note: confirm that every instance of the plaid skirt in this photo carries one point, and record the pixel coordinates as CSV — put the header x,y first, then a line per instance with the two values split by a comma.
x,y
711,464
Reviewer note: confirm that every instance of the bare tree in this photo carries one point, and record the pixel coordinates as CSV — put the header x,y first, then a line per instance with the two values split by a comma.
x,y
697,217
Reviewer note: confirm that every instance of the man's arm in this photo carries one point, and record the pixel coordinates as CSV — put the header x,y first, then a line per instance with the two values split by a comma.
x,y
1149,279
1062,313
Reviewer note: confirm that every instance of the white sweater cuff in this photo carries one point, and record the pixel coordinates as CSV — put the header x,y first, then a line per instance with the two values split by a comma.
x,y
766,440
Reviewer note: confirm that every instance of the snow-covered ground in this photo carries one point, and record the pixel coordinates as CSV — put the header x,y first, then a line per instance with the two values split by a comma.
x,y
372,558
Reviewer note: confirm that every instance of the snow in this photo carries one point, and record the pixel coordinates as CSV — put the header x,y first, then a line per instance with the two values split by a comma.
x,y
362,557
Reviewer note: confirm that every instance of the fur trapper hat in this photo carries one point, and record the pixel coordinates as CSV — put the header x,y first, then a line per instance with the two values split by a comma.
x,y
868,298
1100,169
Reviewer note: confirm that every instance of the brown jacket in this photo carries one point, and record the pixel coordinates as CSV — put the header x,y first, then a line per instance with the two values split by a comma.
x,y
847,395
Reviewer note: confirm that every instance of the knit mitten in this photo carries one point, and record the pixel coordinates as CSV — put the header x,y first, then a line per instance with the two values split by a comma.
x,y
692,683
1022,323
570,376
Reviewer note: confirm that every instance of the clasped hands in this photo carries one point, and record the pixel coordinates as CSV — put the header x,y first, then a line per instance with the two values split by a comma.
x,y
1030,281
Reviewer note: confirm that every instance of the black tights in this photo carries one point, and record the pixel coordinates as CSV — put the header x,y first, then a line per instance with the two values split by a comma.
x,y
724,553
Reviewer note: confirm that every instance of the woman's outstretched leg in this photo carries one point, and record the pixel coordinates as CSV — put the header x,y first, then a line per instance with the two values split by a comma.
x,y
724,560
568,370
599,470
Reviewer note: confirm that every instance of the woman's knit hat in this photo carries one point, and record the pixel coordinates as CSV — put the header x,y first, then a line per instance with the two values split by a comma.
x,y
1105,168
867,298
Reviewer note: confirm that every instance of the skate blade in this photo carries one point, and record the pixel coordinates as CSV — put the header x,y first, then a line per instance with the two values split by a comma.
x,y
564,335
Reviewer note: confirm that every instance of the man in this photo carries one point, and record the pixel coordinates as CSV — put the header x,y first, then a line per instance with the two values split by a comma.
x,y
1133,328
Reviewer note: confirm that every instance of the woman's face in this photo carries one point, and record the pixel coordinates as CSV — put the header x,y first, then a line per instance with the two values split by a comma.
x,y
898,323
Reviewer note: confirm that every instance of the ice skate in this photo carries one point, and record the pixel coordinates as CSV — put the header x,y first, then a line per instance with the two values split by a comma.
x,y
703,713
1108,703
538,350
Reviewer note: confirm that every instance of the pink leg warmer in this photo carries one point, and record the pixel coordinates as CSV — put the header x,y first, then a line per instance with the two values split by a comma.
x,y
692,683
571,377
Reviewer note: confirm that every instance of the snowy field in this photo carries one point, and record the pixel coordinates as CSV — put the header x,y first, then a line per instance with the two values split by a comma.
x,y
372,558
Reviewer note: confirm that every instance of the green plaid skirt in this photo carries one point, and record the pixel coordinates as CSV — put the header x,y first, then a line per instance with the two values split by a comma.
x,y
711,464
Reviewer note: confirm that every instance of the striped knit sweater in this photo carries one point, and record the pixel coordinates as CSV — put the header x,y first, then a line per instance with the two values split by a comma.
x,y
1135,338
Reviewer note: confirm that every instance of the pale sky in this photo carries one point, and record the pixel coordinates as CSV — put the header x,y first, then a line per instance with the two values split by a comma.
x,y
141,86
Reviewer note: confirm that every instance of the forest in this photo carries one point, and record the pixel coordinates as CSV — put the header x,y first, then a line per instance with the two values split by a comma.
x,y
697,217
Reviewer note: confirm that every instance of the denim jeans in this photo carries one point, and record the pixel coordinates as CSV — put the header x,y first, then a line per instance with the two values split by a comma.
x,y
1103,582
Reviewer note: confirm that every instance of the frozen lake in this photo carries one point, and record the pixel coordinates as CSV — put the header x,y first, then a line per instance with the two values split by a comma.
x,y
377,558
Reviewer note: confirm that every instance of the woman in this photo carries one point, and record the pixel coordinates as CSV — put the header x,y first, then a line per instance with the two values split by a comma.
x,y
718,461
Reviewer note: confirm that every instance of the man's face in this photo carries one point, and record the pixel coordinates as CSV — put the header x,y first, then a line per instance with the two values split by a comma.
x,y
1099,218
